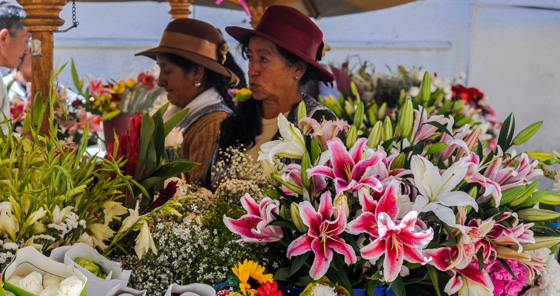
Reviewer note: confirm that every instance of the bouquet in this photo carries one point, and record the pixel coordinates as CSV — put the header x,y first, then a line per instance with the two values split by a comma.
x,y
117,96
419,205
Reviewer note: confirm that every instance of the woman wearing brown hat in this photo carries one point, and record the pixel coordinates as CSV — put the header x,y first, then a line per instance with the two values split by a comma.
x,y
191,55
282,52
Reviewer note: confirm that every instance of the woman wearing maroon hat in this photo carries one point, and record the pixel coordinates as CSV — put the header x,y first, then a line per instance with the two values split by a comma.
x,y
283,51
191,57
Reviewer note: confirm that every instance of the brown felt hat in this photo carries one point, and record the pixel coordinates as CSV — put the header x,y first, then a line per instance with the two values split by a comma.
x,y
292,30
197,41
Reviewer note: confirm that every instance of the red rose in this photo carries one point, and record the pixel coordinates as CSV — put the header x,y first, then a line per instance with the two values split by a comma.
x,y
269,289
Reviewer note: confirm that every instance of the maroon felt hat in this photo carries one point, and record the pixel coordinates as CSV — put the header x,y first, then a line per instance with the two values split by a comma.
x,y
292,30
195,40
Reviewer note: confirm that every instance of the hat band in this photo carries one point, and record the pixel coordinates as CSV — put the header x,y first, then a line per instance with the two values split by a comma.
x,y
193,44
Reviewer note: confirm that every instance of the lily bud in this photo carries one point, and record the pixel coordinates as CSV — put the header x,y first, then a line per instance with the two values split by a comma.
x,y
293,187
349,108
527,133
549,198
387,129
341,203
375,135
436,147
381,111
351,136
439,99
354,90
302,112
284,212
296,218
521,197
533,214
458,105
472,139
446,106
359,116
426,88
398,162
305,164
538,155
542,242
370,113
269,170
473,192
509,253
407,119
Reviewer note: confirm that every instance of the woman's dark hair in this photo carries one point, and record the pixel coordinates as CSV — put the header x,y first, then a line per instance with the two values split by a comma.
x,y
210,79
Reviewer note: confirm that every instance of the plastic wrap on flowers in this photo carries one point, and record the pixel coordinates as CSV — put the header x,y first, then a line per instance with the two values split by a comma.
x,y
194,289
114,275
125,291
32,273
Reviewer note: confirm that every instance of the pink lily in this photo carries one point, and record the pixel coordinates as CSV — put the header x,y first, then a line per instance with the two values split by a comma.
x,y
510,177
324,131
473,176
421,130
469,281
367,220
397,242
97,88
17,111
94,122
292,174
322,236
253,226
350,171
517,234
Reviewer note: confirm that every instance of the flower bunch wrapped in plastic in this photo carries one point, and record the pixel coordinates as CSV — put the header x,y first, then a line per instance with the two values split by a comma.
x,y
121,96
251,280
419,204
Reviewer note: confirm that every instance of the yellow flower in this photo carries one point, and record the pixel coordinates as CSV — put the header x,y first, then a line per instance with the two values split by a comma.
x,y
130,82
119,87
249,269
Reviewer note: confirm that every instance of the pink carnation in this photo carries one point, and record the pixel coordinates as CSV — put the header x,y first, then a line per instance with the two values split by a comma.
x,y
504,283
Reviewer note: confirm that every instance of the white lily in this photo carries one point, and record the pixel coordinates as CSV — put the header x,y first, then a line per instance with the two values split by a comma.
x,y
100,233
144,241
435,190
291,145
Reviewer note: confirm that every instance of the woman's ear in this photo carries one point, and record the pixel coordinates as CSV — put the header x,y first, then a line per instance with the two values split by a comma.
x,y
198,73
301,67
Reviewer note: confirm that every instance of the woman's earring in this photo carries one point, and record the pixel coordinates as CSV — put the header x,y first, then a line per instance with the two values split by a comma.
x,y
197,84
296,77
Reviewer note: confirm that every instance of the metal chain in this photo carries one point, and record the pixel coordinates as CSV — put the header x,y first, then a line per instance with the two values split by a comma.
x,y
75,23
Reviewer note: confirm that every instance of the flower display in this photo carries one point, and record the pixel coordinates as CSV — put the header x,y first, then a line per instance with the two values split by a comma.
x,y
251,280
131,95
412,200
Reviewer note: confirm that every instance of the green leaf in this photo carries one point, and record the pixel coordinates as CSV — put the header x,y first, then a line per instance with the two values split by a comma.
x,y
315,150
298,263
282,274
432,271
440,127
398,286
146,131
504,131
175,119
302,112
305,164
504,263
370,286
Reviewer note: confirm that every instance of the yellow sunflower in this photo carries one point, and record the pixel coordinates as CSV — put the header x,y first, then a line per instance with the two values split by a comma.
x,y
250,271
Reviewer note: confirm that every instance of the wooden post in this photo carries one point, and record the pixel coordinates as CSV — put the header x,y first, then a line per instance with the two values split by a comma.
x,y
180,8
42,20
257,9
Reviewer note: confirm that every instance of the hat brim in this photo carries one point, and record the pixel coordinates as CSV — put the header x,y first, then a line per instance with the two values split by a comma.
x,y
193,57
243,35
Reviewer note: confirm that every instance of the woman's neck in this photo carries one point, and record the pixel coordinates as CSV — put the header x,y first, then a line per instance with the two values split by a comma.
x,y
272,108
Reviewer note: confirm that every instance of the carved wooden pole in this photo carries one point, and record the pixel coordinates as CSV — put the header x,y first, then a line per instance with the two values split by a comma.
x,y
257,9
42,20
180,8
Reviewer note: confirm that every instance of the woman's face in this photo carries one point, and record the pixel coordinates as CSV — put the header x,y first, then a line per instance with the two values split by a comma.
x,y
178,83
270,74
